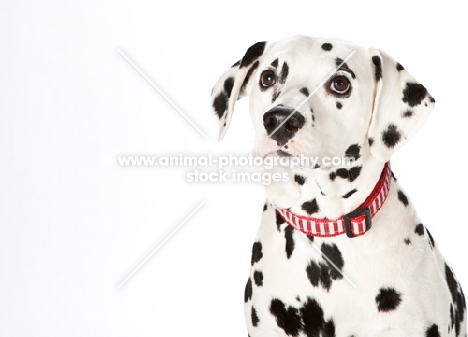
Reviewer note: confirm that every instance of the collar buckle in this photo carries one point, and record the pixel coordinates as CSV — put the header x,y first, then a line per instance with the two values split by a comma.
x,y
354,214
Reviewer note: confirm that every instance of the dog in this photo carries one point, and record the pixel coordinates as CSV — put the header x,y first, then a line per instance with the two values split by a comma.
x,y
341,250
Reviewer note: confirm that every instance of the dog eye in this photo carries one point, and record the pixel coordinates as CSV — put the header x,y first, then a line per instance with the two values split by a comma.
x,y
268,78
340,85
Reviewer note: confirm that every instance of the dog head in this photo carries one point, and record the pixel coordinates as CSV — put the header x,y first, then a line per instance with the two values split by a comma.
x,y
304,99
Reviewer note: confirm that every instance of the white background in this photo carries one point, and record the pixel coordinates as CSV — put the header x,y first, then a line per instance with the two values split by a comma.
x,y
73,224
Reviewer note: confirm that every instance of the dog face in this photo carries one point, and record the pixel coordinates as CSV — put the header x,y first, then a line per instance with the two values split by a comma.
x,y
301,103
325,123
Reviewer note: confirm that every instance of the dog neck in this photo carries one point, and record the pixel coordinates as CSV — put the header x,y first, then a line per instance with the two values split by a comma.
x,y
329,193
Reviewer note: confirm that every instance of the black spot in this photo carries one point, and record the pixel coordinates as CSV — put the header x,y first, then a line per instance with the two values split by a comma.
x,y
254,52
327,46
350,193
332,176
265,207
312,114
325,277
288,235
324,273
249,74
370,141
254,317
311,238
393,176
275,96
309,319
408,114
304,91
461,302
282,153
311,206
451,282
312,317
407,241
460,311
354,173
399,67
274,64
287,319
279,220
329,329
462,295
391,136
334,255
414,93
228,84
343,173
284,73
353,152
431,99
257,253
403,198
313,273
220,104
350,174
299,179
431,239
419,229
451,316
433,331
248,291
378,67
258,278
344,67
236,64
339,105
388,299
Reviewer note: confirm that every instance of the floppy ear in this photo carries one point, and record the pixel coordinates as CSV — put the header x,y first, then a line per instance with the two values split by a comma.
x,y
234,84
401,106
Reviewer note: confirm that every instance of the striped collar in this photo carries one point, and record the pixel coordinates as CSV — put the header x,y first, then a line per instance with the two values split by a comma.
x,y
355,223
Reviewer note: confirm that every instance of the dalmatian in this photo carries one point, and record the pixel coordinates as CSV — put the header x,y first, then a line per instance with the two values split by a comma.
x,y
341,250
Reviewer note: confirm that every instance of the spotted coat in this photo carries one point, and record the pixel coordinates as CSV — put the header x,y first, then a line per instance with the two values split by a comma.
x,y
392,281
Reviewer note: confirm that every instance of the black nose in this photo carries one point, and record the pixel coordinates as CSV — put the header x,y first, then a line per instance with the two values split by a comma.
x,y
281,123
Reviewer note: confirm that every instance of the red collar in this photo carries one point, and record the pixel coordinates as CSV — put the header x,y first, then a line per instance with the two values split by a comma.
x,y
355,223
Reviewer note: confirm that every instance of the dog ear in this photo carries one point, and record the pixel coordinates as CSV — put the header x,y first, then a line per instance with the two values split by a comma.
x,y
235,83
401,106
